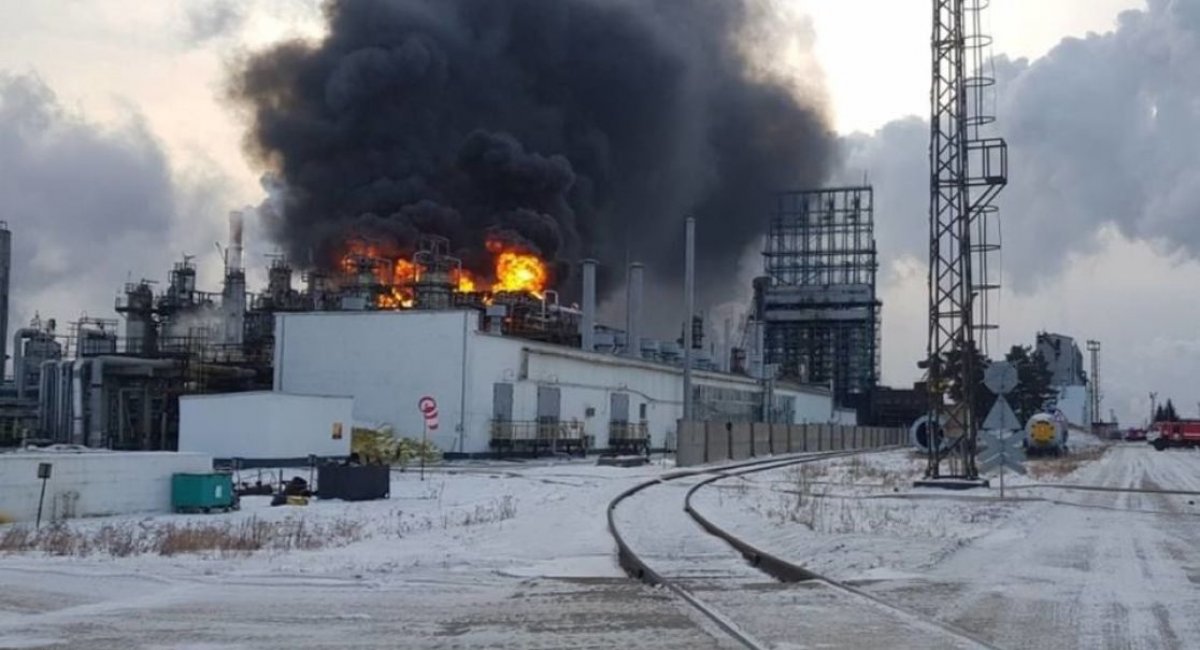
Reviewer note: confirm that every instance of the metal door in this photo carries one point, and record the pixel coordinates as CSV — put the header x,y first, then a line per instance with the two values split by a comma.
x,y
618,408
502,402
549,404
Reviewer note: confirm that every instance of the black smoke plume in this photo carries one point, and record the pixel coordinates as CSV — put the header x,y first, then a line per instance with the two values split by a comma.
x,y
573,127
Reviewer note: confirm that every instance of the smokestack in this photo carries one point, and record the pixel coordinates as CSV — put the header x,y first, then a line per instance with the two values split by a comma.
x,y
233,301
5,268
234,259
633,311
689,308
587,325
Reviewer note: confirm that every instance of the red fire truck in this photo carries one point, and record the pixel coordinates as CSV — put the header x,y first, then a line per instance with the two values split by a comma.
x,y
1183,433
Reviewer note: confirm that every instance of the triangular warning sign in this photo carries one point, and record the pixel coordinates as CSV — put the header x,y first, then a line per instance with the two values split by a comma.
x,y
1001,417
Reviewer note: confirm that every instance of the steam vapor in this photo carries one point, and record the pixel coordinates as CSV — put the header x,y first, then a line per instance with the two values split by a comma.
x,y
571,128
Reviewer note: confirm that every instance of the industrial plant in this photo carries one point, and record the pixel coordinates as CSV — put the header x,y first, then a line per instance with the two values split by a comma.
x,y
515,368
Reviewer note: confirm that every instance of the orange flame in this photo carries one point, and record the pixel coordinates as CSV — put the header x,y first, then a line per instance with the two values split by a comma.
x,y
463,282
516,271
520,272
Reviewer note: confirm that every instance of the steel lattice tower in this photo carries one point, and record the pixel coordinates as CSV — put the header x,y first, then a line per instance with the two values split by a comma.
x,y
966,173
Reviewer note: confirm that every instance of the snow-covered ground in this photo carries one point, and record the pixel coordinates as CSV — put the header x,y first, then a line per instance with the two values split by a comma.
x,y
501,555
1045,568
518,555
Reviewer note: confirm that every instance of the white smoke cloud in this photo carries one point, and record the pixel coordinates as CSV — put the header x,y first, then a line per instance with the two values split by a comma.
x,y
90,205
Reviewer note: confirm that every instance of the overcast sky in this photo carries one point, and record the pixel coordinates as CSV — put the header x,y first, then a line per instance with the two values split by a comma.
x,y
129,156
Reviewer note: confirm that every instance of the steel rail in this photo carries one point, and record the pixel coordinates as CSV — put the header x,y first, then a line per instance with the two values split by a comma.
x,y
785,571
1105,488
637,568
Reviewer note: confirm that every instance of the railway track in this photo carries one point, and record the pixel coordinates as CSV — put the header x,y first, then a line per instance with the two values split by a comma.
x,y
756,599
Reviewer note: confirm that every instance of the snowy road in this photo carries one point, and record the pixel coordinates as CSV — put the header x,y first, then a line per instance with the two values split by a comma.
x,y
1110,570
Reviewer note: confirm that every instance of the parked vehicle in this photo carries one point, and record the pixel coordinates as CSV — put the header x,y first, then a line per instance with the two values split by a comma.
x,y
1135,435
1181,433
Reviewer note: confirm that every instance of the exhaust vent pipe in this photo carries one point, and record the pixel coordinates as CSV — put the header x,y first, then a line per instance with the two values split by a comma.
x,y
587,324
633,311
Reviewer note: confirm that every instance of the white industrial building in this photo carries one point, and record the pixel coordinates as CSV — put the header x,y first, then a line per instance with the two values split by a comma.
x,y
387,361
265,427
1065,362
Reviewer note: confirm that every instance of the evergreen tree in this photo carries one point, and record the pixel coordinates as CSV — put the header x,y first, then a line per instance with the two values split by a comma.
x,y
1169,414
982,398
1033,389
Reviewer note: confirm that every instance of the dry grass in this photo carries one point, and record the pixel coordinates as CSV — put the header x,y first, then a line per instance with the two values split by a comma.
x,y
493,511
220,538
1044,468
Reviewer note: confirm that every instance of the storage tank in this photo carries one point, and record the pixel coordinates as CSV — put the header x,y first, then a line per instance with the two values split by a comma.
x,y
919,435
1045,435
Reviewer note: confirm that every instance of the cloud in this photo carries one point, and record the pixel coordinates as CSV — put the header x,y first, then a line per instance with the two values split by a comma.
x,y
1103,130
1101,218
89,205
212,19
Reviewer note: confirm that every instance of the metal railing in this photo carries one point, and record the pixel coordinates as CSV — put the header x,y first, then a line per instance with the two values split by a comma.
x,y
540,431
618,431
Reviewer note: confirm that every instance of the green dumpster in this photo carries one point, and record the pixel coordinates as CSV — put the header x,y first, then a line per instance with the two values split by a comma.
x,y
203,492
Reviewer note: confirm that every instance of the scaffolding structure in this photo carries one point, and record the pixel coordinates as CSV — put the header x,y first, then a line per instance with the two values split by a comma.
x,y
967,171
818,308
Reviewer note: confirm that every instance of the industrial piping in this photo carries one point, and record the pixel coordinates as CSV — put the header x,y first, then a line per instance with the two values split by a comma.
x,y
96,393
19,358
633,311
587,324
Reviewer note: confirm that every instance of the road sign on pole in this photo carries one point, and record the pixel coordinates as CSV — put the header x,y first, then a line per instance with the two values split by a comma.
x,y
1001,417
429,411
1000,377
1002,452
43,472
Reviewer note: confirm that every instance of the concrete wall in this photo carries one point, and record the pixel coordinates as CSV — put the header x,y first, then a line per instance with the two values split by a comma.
x,y
743,440
717,444
760,439
94,483
740,444
796,434
387,360
691,448
265,425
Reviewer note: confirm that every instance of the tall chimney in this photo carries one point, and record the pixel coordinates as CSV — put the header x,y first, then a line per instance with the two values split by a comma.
x,y
233,300
5,268
633,311
234,261
587,325
689,308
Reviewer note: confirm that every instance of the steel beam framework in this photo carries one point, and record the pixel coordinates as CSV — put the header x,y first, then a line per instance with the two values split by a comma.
x,y
966,172
820,311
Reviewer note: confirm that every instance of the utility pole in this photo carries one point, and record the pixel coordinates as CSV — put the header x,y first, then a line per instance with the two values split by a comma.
x,y
1093,348
689,308
1153,405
